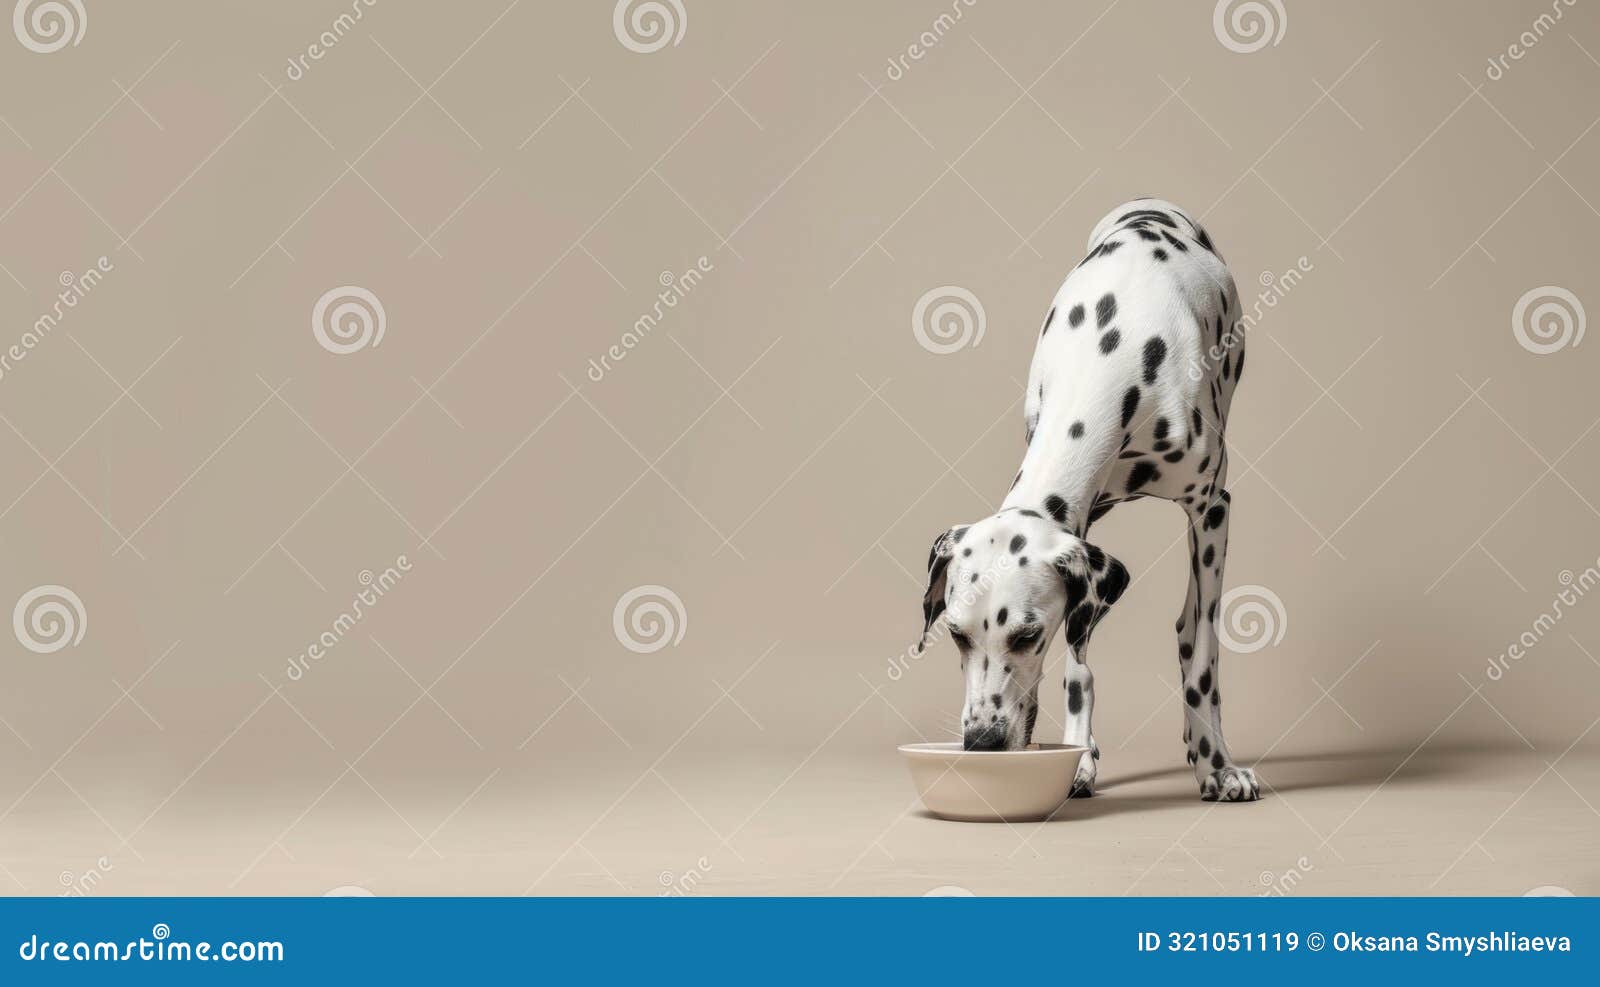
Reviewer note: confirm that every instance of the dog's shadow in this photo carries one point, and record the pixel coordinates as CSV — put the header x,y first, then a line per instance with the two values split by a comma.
x,y
1164,788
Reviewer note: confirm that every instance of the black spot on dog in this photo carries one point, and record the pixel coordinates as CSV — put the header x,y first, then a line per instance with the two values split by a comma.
x,y
1077,589
1162,426
1029,512
1217,761
960,533
1130,404
1205,747
1076,431
1211,613
1075,316
1108,247
1097,558
966,552
1159,254
996,700
1142,473
1105,310
1146,234
1191,697
1113,583
1000,618
1057,508
1109,341
1185,651
1022,560
1173,456
1078,625
1205,681
985,663
1205,241
1074,697
1215,515
1203,464
974,577
1205,559
1017,541
1177,244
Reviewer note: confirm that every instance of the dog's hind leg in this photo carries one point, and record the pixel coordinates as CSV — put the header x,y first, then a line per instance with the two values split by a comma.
x,y
1199,656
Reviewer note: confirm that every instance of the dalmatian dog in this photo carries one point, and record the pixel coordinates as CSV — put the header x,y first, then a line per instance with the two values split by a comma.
x,y
1127,397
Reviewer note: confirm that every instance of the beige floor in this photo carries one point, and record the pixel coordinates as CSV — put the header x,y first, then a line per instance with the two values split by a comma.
x,y
1452,820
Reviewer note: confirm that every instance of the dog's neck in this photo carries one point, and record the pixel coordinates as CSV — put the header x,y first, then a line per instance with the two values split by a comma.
x,y
1061,474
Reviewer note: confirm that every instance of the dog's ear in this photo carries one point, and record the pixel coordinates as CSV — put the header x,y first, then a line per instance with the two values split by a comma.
x,y
1093,582
933,598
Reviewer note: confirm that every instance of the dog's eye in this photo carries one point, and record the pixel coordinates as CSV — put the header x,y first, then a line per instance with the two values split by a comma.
x,y
1025,638
962,641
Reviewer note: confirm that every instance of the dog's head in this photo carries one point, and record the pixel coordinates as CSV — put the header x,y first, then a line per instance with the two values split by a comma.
x,y
1005,585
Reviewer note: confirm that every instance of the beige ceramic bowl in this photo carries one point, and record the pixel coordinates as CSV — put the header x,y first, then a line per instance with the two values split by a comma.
x,y
990,786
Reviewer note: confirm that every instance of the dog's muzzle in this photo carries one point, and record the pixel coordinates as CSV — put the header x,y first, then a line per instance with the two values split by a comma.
x,y
990,737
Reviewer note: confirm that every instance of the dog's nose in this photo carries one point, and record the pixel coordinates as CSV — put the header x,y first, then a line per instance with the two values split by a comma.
x,y
991,737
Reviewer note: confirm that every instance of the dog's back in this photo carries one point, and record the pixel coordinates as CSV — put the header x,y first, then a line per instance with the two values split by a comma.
x,y
1134,372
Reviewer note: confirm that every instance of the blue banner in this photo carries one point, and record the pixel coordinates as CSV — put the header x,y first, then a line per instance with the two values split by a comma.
x,y
789,940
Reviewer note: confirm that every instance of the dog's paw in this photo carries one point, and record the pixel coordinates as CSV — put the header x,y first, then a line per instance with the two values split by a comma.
x,y
1230,784
1083,781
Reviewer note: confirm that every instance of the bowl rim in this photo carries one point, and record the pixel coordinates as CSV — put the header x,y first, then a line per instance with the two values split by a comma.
x,y
952,750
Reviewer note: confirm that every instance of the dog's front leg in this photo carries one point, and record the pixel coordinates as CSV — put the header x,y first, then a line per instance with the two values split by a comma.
x,y
1079,683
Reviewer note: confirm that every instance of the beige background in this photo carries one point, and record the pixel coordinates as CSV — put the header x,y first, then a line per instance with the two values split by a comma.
x,y
510,180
